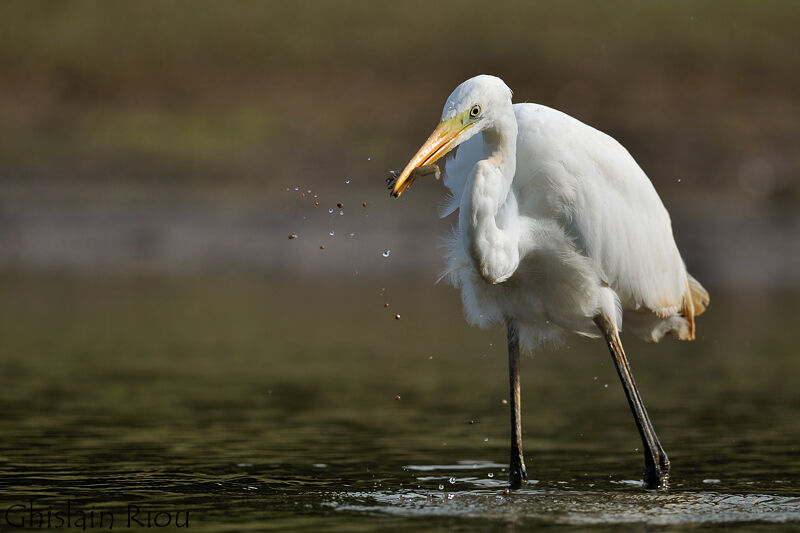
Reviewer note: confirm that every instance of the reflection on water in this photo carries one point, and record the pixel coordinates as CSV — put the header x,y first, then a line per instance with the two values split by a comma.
x,y
255,404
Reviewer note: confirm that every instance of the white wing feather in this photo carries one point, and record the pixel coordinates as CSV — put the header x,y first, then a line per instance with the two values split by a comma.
x,y
588,182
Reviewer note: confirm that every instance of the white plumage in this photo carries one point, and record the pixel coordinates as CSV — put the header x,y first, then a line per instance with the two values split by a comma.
x,y
559,231
571,227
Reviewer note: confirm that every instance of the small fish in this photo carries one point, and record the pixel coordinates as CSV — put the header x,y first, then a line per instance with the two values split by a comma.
x,y
418,172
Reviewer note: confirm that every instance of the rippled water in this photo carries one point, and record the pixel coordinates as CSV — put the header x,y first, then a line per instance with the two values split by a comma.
x,y
255,404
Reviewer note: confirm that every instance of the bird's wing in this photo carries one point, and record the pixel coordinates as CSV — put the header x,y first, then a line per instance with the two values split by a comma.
x,y
587,181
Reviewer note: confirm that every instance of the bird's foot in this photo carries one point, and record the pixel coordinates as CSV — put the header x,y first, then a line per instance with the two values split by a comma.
x,y
656,473
517,476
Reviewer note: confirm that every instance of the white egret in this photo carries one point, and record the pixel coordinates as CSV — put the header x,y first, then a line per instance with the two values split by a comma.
x,y
559,231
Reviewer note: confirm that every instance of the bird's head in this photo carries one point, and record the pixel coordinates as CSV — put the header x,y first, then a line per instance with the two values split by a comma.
x,y
475,105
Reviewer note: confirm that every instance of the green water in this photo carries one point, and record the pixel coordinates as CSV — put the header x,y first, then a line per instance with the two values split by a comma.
x,y
255,403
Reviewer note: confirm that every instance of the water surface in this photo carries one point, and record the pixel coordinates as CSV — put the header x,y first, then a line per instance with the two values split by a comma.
x,y
258,404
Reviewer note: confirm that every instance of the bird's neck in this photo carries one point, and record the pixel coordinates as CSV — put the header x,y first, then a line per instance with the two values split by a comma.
x,y
499,164
500,146
492,249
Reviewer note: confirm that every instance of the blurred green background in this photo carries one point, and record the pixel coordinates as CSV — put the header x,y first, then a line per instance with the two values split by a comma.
x,y
114,113
189,92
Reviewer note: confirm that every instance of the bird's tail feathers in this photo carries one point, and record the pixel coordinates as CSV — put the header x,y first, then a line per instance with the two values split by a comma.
x,y
699,294
695,301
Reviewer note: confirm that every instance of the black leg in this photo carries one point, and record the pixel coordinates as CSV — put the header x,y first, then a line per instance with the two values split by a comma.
x,y
516,471
656,463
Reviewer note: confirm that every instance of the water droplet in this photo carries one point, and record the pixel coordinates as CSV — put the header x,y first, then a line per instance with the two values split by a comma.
x,y
330,233
711,480
297,188
486,439
441,487
605,385
341,212
397,317
330,211
386,253
287,189
347,182
398,398
369,159
352,235
450,496
595,378
491,474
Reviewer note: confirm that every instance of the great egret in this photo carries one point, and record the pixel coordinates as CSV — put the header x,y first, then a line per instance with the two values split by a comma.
x,y
559,231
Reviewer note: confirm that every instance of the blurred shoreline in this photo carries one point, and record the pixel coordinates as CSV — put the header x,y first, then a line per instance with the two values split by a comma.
x,y
161,231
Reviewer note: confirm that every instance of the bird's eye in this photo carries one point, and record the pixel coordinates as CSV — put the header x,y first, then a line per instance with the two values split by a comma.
x,y
475,111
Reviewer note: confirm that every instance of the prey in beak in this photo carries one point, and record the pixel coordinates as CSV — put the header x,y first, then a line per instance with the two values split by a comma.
x,y
443,139
418,172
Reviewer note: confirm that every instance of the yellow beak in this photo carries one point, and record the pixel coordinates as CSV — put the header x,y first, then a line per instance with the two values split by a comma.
x,y
438,144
